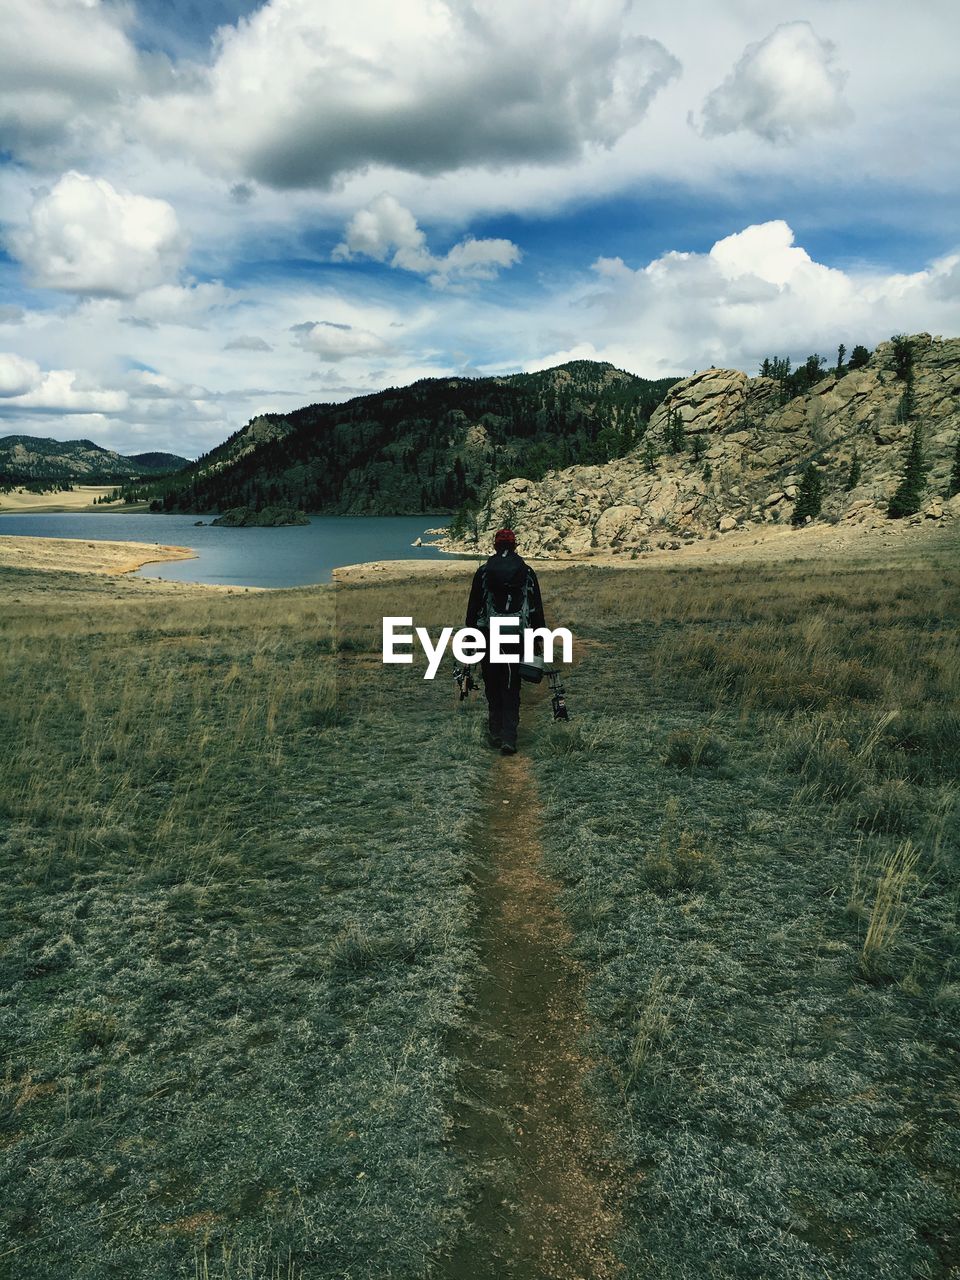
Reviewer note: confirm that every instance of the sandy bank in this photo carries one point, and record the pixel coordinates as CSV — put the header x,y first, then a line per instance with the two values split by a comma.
x,y
77,555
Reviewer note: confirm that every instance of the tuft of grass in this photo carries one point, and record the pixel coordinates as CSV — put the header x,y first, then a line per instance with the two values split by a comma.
x,y
563,739
649,1030
681,862
889,806
92,1028
691,750
896,884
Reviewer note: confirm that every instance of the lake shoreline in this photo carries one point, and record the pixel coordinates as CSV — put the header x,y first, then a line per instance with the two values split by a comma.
x,y
282,558
118,558
77,555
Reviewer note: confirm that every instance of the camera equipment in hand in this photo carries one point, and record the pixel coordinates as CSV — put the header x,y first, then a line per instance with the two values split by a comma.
x,y
559,699
465,681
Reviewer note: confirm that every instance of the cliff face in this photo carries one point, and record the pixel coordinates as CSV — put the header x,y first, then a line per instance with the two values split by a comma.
x,y
721,452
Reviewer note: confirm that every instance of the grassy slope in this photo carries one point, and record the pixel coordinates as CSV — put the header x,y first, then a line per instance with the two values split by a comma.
x,y
235,931
757,759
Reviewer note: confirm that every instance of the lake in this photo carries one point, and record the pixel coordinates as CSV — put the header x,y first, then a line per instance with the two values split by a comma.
x,y
286,557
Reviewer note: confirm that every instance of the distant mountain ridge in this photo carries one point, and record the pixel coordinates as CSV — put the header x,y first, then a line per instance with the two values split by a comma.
x,y
428,447
34,459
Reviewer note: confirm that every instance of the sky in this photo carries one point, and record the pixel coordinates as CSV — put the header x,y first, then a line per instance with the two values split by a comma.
x,y
211,209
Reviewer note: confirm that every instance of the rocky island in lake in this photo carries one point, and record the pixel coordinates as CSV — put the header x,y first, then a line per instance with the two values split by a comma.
x,y
266,518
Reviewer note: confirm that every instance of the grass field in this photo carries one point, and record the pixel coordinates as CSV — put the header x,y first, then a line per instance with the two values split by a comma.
x,y
755,820
234,935
240,954
81,498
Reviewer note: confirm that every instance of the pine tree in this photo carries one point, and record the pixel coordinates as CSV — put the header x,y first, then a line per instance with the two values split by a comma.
x,y
902,356
858,357
909,493
903,367
954,483
841,352
674,436
853,477
809,495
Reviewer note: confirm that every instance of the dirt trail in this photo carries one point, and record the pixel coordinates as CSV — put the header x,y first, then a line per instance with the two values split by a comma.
x,y
548,1208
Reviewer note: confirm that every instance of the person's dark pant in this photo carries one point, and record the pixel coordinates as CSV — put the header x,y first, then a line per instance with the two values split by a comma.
x,y
501,683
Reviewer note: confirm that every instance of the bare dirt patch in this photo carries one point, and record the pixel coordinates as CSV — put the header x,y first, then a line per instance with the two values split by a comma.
x,y
549,1204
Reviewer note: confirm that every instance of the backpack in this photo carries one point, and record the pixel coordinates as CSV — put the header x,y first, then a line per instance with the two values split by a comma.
x,y
519,609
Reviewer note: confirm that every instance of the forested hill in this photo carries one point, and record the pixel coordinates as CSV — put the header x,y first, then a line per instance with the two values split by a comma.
x,y
428,447
40,461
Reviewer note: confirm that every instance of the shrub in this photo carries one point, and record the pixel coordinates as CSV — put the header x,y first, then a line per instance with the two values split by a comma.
x,y
681,862
887,807
690,750
92,1029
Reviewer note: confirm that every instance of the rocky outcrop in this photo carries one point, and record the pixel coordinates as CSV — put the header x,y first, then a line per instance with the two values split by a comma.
x,y
267,518
722,453
257,433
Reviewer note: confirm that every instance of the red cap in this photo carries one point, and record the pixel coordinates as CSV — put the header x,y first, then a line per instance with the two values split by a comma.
x,y
504,538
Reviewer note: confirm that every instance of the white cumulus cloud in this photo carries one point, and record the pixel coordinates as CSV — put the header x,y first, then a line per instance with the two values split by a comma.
x,y
191,305
333,342
782,88
86,237
755,293
17,375
63,63
299,93
25,386
386,230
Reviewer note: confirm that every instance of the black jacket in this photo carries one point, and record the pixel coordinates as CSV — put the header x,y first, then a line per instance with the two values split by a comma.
x,y
506,577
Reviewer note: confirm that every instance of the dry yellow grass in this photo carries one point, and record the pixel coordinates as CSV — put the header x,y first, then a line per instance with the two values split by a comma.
x,y
897,878
80,498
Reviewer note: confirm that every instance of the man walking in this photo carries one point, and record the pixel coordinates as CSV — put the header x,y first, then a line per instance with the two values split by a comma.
x,y
505,584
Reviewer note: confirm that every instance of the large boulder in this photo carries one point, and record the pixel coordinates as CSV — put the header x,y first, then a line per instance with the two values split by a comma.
x,y
620,524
